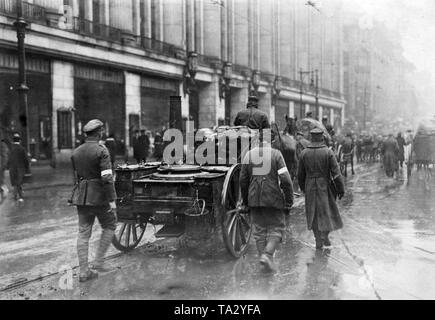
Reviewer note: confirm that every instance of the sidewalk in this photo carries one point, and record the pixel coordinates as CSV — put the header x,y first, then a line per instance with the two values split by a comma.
x,y
45,177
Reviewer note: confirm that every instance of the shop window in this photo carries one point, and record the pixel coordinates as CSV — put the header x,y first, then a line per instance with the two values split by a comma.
x,y
64,129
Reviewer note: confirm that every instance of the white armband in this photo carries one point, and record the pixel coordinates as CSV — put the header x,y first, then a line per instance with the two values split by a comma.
x,y
282,170
106,172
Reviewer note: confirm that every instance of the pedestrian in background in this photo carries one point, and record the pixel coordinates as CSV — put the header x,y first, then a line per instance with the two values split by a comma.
x,y
136,147
390,155
94,195
261,192
4,155
401,143
144,146
18,165
110,144
320,179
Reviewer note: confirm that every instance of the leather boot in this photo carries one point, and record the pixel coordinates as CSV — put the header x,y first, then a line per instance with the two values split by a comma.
x,y
105,241
325,238
318,238
261,245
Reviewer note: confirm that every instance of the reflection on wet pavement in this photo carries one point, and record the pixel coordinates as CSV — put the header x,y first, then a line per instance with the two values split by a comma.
x,y
385,251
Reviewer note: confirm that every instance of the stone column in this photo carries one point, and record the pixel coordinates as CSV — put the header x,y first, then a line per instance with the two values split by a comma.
x,y
267,50
184,101
210,105
212,29
62,81
241,34
286,38
239,99
121,17
190,25
224,34
173,22
272,114
136,17
331,116
265,103
132,100
291,110
307,108
199,26
320,112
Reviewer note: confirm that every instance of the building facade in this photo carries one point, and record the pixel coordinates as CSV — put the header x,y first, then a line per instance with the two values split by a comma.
x,y
377,84
127,61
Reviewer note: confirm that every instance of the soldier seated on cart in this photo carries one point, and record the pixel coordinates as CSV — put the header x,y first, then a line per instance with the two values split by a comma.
x,y
261,191
252,117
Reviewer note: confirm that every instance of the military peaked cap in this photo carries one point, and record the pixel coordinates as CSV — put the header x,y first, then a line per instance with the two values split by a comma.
x,y
92,125
316,131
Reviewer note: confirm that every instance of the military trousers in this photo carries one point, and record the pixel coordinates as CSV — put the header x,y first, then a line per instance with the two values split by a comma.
x,y
107,220
268,223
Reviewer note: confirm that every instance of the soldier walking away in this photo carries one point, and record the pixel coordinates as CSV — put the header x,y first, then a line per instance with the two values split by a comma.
x,y
94,195
401,143
4,155
19,165
267,203
348,153
320,179
390,155
252,117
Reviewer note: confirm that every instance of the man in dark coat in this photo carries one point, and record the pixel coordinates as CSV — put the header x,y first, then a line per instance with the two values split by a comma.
x,y
390,155
144,146
4,155
261,181
110,144
328,126
348,152
401,143
136,147
318,168
252,117
94,195
19,165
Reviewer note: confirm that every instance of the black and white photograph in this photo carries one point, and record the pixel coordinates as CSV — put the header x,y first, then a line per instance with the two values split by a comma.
x,y
217,150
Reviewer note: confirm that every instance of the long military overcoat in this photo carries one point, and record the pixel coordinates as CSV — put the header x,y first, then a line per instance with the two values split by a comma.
x,y
18,164
317,167
390,151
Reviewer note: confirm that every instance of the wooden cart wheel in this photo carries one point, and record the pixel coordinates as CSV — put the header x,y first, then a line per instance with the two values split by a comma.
x,y
128,235
236,225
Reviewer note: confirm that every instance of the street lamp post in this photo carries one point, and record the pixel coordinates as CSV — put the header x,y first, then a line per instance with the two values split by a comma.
x,y
317,90
20,24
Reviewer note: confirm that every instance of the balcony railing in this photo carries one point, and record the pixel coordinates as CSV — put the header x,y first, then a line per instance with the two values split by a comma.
x,y
31,11
95,30
160,47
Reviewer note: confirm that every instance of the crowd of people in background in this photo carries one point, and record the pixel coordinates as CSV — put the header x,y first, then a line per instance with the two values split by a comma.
x,y
386,149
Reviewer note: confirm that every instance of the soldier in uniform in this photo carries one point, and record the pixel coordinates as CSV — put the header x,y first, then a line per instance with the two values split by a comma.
x,y
94,195
320,179
252,117
261,192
